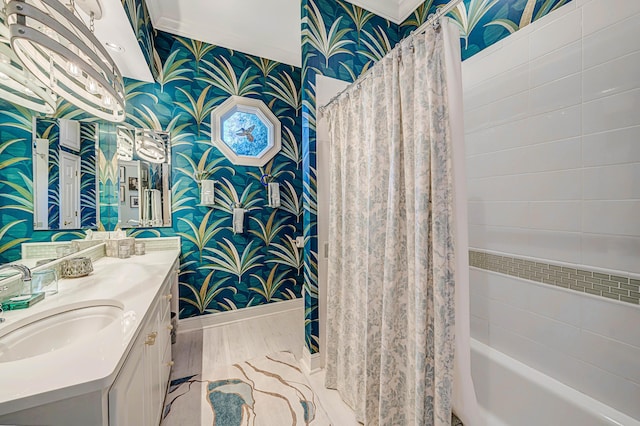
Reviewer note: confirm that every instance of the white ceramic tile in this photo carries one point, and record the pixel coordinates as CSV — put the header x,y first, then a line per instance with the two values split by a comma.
x,y
612,42
557,34
610,355
617,182
553,186
563,306
558,94
479,307
612,77
508,109
505,289
560,124
478,282
613,320
555,245
497,238
611,112
497,213
477,119
555,216
501,86
556,65
508,135
480,329
611,252
612,390
599,14
501,188
614,147
611,217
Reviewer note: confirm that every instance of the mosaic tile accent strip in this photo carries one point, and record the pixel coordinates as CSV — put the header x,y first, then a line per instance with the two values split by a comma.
x,y
615,287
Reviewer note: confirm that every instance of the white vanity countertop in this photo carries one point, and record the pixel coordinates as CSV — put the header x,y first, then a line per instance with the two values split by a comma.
x,y
91,363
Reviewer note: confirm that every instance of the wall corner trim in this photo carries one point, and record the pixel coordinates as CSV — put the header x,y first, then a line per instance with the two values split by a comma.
x,y
310,362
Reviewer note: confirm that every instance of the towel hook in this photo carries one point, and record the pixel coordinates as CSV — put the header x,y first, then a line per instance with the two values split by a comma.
x,y
264,181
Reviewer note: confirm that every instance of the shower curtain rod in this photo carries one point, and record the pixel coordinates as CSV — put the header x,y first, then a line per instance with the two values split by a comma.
x,y
432,19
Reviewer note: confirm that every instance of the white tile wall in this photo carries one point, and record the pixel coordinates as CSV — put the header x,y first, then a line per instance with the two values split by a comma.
x,y
554,173
552,123
586,342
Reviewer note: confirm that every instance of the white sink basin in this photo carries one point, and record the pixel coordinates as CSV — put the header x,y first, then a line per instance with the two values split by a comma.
x,y
56,331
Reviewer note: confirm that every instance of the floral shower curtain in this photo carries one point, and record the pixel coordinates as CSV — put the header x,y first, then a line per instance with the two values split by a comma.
x,y
391,287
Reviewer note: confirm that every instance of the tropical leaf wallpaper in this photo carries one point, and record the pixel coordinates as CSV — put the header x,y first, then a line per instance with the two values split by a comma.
x,y
220,270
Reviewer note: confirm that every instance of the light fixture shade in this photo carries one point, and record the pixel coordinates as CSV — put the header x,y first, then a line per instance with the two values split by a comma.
x,y
60,51
20,87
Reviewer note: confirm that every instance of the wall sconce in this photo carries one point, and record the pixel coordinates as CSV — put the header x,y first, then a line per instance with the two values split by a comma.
x,y
207,192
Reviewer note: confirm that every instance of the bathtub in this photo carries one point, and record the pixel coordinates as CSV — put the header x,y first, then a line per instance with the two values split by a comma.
x,y
511,393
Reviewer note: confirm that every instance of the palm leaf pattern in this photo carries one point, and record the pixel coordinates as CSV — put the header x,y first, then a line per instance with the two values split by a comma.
x,y
12,242
204,169
528,15
201,235
231,261
223,76
269,230
197,48
290,146
467,18
287,254
290,202
269,287
264,65
198,109
377,44
284,88
315,34
229,197
173,70
203,296
419,16
358,15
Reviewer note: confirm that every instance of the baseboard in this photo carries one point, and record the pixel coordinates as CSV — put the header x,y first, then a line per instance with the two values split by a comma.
x,y
223,318
310,362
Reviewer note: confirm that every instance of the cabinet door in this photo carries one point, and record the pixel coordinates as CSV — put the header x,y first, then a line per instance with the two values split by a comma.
x,y
127,396
152,361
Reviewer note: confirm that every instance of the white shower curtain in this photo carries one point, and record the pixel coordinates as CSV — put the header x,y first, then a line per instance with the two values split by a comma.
x,y
392,259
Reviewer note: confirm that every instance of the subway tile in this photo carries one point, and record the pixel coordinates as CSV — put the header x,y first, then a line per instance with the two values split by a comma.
x,y
612,147
508,135
612,42
556,65
558,94
599,14
560,32
612,77
555,216
508,109
497,213
611,252
611,217
615,321
556,245
554,125
611,112
616,182
501,86
561,185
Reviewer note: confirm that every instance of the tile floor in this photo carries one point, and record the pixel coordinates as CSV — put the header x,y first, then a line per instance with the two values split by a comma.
x,y
243,340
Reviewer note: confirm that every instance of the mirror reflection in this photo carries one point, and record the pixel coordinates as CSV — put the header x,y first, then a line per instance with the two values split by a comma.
x,y
144,158
64,171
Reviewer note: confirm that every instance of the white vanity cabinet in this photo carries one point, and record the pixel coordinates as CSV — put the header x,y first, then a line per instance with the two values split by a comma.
x,y
136,398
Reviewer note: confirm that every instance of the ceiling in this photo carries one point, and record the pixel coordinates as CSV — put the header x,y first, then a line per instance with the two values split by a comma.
x,y
265,28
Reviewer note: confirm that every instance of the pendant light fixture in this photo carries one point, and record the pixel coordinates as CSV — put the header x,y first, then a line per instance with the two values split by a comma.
x,y
17,85
56,46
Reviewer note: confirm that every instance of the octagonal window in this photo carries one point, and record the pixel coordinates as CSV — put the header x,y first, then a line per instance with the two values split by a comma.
x,y
245,131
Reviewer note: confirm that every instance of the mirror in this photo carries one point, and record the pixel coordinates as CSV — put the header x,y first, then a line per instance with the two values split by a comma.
x,y
144,165
64,174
